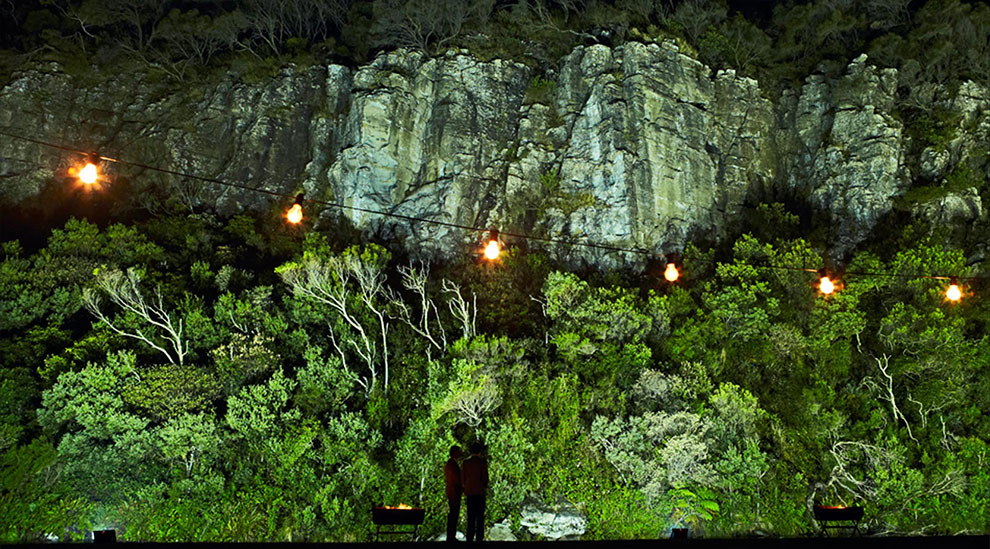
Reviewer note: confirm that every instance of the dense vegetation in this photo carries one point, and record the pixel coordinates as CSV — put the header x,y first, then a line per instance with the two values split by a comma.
x,y
189,378
941,43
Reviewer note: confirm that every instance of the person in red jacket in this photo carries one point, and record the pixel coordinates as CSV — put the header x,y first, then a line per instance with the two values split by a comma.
x,y
452,475
474,478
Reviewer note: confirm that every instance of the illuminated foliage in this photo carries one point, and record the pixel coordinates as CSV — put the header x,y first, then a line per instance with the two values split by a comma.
x,y
722,402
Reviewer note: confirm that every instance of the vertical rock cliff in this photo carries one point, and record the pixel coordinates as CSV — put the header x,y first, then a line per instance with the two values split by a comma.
x,y
634,146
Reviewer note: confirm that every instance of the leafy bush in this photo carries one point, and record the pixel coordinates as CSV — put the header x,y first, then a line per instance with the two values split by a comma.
x,y
541,90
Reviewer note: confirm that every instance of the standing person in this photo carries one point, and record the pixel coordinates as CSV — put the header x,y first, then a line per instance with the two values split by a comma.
x,y
452,474
474,478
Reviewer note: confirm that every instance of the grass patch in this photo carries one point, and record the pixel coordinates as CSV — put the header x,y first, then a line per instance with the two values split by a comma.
x,y
932,129
963,177
541,90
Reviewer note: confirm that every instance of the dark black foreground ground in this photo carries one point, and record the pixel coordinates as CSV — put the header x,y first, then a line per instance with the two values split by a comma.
x,y
948,542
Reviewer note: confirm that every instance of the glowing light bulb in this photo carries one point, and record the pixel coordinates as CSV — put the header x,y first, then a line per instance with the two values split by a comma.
x,y
670,273
826,286
89,174
953,293
492,250
295,213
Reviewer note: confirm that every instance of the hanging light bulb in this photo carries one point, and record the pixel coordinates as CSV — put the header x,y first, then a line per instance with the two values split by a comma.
x,y
492,249
953,293
90,172
670,272
825,285
295,213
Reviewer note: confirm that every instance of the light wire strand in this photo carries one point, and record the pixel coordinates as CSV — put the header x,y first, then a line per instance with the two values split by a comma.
x,y
440,222
331,204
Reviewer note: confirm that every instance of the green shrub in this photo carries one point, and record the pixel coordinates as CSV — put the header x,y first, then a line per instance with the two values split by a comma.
x,y
541,90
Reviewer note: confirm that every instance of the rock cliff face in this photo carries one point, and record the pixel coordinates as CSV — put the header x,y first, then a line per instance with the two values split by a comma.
x,y
846,150
659,147
965,152
634,146
426,138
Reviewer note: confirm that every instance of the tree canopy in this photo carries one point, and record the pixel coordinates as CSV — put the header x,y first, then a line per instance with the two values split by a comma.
x,y
728,402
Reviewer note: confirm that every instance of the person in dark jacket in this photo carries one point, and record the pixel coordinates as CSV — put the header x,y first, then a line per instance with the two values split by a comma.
x,y
452,475
474,478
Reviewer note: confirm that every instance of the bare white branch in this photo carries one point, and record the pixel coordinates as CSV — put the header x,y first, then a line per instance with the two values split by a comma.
x,y
888,393
465,313
472,405
332,282
164,330
415,280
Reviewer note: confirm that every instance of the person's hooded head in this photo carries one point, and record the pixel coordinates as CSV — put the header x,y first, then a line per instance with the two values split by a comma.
x,y
455,452
476,448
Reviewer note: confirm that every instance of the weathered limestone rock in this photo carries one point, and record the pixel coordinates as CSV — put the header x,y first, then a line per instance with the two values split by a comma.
x,y
634,146
428,138
934,162
270,134
33,106
443,537
501,531
972,103
953,209
961,161
663,149
560,522
851,163
967,149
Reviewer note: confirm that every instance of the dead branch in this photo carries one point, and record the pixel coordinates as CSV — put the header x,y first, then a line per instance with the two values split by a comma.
x,y
415,281
466,313
163,331
332,282
883,364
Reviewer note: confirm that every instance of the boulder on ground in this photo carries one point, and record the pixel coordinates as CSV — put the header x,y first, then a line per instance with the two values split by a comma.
x,y
562,521
501,531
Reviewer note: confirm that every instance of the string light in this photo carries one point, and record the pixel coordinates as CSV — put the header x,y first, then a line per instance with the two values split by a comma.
x,y
671,274
492,249
825,285
953,293
89,175
295,213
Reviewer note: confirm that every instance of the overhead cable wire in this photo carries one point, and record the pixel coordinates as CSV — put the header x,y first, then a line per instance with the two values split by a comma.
x,y
842,273
460,226
338,205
